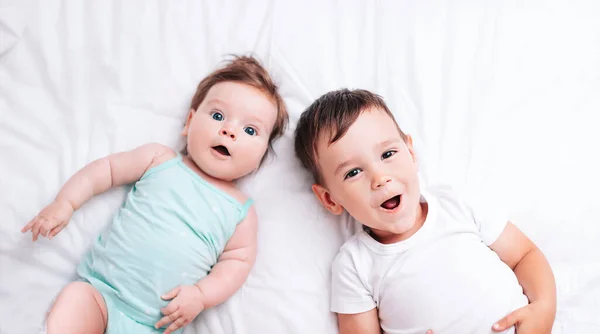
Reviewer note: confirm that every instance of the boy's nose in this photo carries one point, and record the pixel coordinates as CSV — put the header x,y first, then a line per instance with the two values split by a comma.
x,y
228,132
380,181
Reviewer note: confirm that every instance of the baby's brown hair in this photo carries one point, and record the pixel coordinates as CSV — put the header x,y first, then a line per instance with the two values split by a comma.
x,y
332,114
246,70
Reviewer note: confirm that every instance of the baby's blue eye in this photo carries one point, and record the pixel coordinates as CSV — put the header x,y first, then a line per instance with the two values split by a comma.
x,y
217,116
352,173
387,154
250,131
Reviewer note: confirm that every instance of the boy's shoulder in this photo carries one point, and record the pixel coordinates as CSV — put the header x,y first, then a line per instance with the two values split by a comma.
x,y
351,245
447,198
443,193
488,216
353,253
349,249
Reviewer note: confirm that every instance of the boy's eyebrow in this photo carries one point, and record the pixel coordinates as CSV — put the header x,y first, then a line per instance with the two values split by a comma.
x,y
347,162
341,166
388,142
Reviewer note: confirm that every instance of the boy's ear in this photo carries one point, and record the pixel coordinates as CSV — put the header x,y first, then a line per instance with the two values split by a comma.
x,y
411,150
188,121
325,198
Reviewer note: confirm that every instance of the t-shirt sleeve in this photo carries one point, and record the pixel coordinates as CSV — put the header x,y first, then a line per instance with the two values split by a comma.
x,y
490,218
349,294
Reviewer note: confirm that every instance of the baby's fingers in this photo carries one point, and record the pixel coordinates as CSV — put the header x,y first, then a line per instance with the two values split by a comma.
x,y
177,324
48,226
171,294
29,225
172,307
167,319
55,230
37,226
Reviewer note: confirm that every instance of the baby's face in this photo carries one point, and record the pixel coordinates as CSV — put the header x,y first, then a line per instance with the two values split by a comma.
x,y
228,135
372,173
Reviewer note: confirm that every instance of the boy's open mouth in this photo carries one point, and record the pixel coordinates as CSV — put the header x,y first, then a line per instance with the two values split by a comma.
x,y
391,203
221,150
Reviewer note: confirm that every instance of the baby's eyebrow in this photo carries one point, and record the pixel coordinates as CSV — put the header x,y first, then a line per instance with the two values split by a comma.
x,y
256,120
215,100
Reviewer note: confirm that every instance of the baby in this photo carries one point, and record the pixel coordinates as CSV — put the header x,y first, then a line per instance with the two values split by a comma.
x,y
185,238
424,259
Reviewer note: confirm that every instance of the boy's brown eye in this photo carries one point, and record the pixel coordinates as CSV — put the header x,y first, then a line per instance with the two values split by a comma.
x,y
352,173
387,154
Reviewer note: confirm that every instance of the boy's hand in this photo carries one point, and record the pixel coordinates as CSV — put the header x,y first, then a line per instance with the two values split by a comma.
x,y
535,318
187,303
51,220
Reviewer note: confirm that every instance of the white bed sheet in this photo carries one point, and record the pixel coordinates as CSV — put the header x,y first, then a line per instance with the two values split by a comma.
x,y
502,99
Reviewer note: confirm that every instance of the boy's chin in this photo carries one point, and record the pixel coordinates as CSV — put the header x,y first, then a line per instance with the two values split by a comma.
x,y
395,229
401,227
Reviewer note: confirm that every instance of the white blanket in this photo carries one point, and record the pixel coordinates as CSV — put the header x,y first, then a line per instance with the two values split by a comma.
x,y
501,98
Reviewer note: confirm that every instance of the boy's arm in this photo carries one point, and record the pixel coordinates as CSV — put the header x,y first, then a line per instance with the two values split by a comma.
x,y
535,276
234,264
360,323
95,178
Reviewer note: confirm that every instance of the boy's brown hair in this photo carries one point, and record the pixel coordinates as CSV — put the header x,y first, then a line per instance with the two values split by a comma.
x,y
332,114
246,70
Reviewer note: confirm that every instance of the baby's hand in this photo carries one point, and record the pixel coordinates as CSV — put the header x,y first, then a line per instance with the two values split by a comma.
x,y
187,303
51,220
535,318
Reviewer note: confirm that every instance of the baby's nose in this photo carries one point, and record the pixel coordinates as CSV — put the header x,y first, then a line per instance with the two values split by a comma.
x,y
228,132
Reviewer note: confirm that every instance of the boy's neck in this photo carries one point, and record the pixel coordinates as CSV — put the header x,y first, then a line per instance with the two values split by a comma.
x,y
390,238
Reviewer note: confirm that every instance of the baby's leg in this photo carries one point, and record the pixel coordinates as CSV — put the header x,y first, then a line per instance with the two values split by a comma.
x,y
79,308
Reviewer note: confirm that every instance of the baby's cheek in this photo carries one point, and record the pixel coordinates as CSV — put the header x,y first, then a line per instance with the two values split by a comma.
x,y
256,152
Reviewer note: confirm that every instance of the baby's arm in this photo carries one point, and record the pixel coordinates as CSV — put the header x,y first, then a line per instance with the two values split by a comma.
x,y
95,178
225,278
535,276
234,264
360,323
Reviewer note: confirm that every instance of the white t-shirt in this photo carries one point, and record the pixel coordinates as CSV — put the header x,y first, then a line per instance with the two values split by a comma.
x,y
444,277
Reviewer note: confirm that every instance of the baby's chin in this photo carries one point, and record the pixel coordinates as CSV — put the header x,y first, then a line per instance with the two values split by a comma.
x,y
223,172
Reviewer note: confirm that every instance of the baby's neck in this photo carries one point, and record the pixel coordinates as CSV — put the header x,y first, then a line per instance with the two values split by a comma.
x,y
207,177
391,238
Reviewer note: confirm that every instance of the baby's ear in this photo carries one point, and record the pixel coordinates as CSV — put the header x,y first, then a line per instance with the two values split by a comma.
x,y
188,121
325,198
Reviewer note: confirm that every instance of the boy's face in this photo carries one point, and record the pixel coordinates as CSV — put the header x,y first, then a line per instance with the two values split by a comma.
x,y
372,173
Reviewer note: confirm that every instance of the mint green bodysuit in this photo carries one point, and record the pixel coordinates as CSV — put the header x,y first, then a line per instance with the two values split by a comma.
x,y
170,231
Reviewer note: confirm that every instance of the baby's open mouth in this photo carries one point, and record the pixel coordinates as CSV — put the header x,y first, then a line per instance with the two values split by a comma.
x,y
391,203
222,150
